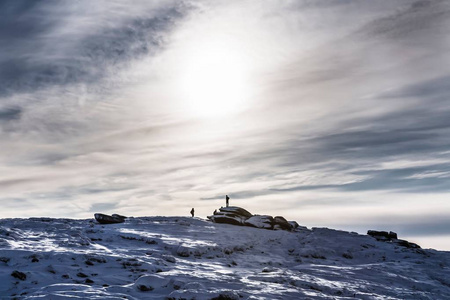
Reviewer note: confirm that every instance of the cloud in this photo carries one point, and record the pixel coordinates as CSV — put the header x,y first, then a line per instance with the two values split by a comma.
x,y
72,45
9,114
342,113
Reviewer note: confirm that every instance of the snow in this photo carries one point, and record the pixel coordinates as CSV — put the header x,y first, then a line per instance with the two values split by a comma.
x,y
191,258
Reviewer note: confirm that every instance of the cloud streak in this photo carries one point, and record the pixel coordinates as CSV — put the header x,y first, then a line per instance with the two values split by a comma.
x,y
350,116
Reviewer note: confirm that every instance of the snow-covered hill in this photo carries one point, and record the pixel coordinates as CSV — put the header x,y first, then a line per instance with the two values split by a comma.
x,y
190,258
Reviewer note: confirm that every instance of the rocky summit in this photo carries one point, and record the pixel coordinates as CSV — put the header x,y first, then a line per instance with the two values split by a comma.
x,y
235,215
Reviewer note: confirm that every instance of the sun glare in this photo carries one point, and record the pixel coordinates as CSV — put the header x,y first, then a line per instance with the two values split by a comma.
x,y
214,80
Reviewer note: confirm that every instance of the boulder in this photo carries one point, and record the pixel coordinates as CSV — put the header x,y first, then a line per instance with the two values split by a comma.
x,y
226,219
235,215
382,235
19,275
281,223
230,215
294,225
407,244
265,222
183,251
236,211
106,219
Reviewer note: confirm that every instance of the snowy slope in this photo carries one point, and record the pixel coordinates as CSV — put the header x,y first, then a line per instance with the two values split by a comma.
x,y
185,258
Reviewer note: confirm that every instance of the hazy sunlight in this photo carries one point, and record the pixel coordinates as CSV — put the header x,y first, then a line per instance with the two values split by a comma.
x,y
214,80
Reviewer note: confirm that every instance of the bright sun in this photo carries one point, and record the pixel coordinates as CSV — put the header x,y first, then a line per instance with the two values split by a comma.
x,y
214,80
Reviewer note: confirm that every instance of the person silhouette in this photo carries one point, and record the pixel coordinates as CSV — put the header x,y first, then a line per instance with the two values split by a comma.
x,y
192,212
227,200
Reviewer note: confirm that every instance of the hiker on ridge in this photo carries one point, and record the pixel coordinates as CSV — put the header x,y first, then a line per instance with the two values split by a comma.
x,y
192,212
227,199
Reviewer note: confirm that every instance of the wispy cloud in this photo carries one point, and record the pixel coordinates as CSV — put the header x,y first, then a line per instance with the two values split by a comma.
x,y
346,106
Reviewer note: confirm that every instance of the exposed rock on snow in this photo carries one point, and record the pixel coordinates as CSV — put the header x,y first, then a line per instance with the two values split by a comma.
x,y
391,237
231,215
106,219
265,222
235,215
228,219
407,244
183,251
237,211
19,275
281,223
382,235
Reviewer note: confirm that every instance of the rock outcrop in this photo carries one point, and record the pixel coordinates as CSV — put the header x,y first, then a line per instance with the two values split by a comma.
x,y
265,222
235,215
106,219
382,235
391,237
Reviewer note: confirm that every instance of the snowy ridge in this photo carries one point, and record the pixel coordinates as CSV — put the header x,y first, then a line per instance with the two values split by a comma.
x,y
190,258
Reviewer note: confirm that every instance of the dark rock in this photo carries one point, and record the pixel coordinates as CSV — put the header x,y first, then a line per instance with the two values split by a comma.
x,y
131,263
106,219
19,275
145,288
5,259
227,295
268,270
228,251
407,244
118,216
294,225
347,256
169,258
42,219
230,215
227,219
99,260
382,235
236,210
281,223
82,275
238,216
89,281
34,258
183,251
392,235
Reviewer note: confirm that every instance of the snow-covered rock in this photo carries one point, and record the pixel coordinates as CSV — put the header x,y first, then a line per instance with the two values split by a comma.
x,y
235,215
257,221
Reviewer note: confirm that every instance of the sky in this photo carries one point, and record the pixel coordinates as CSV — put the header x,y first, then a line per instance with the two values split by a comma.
x,y
330,113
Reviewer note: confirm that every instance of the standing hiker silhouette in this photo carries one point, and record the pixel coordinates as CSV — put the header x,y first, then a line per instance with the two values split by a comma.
x,y
192,212
227,200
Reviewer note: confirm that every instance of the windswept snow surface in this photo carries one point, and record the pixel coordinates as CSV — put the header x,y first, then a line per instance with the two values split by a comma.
x,y
190,258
